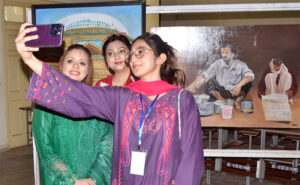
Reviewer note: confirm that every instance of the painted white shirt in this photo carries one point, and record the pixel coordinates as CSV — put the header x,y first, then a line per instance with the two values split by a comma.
x,y
230,75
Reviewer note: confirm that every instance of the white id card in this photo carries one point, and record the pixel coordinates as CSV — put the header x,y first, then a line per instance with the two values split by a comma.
x,y
137,165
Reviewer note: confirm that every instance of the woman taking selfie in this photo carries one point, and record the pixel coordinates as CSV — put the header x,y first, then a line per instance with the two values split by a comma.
x,y
157,135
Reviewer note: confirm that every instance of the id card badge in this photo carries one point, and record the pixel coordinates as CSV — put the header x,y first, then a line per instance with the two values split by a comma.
x,y
138,160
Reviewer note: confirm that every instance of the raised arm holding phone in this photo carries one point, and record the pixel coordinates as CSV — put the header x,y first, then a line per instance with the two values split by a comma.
x,y
157,135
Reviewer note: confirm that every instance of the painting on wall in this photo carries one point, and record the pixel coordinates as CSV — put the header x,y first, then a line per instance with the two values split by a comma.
x,y
89,24
252,69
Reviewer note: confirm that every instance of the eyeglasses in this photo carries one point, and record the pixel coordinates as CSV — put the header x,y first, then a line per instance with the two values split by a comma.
x,y
138,53
120,53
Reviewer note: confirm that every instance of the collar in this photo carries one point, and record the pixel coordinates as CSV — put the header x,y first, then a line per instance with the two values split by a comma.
x,y
151,88
231,65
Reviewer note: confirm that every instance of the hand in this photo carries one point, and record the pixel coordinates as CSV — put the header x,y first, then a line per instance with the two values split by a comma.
x,y
261,93
88,181
196,84
289,94
25,52
192,87
236,90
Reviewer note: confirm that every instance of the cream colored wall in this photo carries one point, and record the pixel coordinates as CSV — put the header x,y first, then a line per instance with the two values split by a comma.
x,y
27,2
223,19
152,20
3,124
14,82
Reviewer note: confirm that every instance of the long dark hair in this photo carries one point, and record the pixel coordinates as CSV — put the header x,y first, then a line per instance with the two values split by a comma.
x,y
111,38
89,78
169,71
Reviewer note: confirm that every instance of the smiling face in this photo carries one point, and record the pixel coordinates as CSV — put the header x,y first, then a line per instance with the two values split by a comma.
x,y
76,64
115,56
143,63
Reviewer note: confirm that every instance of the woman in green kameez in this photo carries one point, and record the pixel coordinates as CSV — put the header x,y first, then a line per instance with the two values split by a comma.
x,y
73,152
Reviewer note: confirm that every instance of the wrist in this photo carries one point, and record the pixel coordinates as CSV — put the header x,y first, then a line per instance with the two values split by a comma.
x,y
238,86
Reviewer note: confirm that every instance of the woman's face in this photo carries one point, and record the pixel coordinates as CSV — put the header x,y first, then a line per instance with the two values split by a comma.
x,y
76,64
116,53
143,62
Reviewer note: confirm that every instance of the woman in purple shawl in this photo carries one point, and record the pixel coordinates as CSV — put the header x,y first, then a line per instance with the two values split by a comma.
x,y
157,135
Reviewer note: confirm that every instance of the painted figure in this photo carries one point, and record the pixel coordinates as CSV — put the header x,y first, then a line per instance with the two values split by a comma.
x,y
227,78
278,78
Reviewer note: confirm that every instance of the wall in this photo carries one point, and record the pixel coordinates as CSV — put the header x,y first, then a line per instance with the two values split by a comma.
x,y
224,19
13,81
152,20
3,127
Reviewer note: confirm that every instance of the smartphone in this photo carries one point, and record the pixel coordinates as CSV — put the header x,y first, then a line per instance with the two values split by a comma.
x,y
50,35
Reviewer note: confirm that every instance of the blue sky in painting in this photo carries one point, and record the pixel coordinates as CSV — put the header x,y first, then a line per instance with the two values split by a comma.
x,y
128,15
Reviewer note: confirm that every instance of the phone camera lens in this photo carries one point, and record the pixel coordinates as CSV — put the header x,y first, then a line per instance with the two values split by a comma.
x,y
55,30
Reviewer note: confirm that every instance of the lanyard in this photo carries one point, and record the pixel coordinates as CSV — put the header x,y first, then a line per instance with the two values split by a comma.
x,y
141,118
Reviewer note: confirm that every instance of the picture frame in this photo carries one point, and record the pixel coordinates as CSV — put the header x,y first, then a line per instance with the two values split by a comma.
x,y
89,24
199,47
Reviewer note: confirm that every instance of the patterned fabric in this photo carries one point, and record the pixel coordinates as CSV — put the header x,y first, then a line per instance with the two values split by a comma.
x,y
71,149
170,159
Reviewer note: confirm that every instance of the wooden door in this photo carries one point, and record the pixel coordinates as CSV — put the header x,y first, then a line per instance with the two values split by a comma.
x,y
17,81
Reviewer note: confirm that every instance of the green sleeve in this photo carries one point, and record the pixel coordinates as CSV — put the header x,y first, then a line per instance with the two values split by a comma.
x,y
100,171
53,169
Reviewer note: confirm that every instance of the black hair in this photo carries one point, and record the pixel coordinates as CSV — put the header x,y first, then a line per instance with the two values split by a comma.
x,y
111,38
168,71
231,47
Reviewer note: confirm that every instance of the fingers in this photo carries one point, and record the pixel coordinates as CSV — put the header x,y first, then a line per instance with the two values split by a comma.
x,y
91,182
21,47
85,182
234,92
22,38
23,31
23,26
191,88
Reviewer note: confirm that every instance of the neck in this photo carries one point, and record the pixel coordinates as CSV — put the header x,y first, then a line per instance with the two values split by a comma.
x,y
120,77
150,79
154,76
